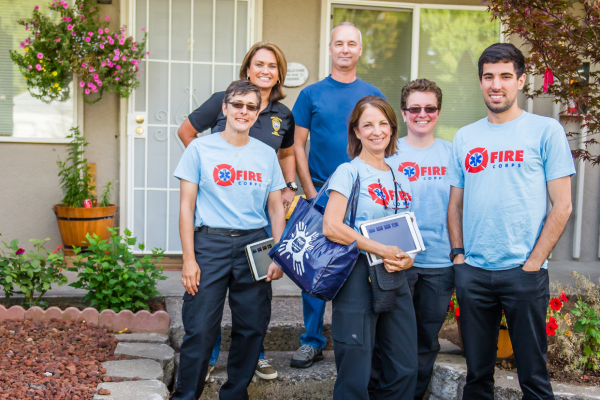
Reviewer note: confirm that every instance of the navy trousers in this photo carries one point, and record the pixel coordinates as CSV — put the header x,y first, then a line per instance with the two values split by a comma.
x,y
356,328
431,290
482,295
224,266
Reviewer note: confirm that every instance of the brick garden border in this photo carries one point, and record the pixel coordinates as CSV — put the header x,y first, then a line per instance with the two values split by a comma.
x,y
140,322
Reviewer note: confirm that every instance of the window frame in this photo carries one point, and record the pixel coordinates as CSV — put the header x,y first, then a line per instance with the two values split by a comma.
x,y
327,17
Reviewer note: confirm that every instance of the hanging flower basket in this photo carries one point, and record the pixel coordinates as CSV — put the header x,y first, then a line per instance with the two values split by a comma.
x,y
72,40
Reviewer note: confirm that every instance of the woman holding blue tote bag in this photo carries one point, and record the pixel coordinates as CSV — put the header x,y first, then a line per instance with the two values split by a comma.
x,y
359,319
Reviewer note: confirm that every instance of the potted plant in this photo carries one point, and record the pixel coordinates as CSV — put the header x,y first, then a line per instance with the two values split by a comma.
x,y
505,349
78,213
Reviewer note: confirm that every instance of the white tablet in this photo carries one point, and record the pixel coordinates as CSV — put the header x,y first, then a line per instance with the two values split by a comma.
x,y
396,230
258,258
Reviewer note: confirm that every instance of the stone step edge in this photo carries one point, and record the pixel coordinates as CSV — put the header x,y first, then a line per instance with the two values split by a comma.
x,y
140,322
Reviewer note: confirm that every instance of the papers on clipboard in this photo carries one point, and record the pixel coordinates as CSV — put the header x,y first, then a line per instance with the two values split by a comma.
x,y
396,230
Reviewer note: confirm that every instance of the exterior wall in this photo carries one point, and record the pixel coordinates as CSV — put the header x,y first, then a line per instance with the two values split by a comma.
x,y
29,185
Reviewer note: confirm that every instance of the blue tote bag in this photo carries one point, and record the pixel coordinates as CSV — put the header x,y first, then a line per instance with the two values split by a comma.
x,y
317,265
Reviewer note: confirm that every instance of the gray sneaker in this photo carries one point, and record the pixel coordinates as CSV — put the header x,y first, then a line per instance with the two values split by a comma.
x,y
306,356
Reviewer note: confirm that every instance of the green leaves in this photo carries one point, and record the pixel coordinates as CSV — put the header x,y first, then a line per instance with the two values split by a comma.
x,y
115,278
31,274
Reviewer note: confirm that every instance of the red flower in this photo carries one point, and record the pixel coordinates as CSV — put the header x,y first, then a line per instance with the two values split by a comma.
x,y
550,331
551,326
555,304
20,251
451,305
563,297
457,314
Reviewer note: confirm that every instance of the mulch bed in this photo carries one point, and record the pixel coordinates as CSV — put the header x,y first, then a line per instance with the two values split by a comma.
x,y
53,359
555,365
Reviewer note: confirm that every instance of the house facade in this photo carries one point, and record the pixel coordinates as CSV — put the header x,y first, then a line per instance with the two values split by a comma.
x,y
196,48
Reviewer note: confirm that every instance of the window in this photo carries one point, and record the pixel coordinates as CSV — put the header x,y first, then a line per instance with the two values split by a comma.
x,y
22,117
404,41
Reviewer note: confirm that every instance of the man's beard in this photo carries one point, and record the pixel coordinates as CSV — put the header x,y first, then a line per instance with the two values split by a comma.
x,y
499,109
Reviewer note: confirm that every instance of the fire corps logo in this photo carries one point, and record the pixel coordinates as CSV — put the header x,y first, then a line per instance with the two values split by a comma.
x,y
410,169
224,175
379,194
476,160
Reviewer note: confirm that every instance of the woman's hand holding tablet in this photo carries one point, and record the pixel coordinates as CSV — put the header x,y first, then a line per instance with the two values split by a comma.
x,y
397,260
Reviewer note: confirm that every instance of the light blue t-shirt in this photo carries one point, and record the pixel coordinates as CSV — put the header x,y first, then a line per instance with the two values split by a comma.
x,y
503,169
232,190
324,108
425,170
372,197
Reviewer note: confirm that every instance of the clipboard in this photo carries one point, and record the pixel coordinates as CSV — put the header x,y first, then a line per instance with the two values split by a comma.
x,y
258,258
396,230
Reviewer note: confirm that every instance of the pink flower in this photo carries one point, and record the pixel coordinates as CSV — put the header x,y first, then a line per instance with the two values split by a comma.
x,y
21,250
36,8
70,27
114,73
82,65
90,84
110,64
117,78
27,41
83,17
99,83
118,67
147,53
100,31
87,91
101,46
116,58
124,58
143,29
134,62
40,55
103,64
38,67
95,76
70,19
87,39
133,48
91,69
82,83
105,30
37,35
30,67
65,5
110,41
107,18
57,40
26,28
74,34
90,34
121,42
64,19
22,45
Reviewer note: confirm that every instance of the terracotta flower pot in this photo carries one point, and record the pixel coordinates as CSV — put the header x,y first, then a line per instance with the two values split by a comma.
x,y
75,222
505,349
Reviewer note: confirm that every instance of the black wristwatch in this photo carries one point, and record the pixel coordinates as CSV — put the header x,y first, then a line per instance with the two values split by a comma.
x,y
456,252
293,186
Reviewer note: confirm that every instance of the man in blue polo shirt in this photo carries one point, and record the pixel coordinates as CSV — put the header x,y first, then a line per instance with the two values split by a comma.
x,y
500,170
323,109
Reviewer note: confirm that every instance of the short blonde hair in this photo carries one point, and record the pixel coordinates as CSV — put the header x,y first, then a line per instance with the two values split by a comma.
x,y
277,90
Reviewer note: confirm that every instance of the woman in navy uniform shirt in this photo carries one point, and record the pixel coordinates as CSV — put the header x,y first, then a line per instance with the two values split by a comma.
x,y
227,179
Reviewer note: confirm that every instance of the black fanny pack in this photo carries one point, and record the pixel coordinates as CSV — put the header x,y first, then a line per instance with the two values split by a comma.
x,y
383,286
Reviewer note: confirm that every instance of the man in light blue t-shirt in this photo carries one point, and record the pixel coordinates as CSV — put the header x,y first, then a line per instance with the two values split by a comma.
x,y
423,159
501,237
323,109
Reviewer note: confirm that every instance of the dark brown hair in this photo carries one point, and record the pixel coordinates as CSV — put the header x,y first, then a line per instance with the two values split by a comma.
x,y
277,90
241,87
420,85
354,144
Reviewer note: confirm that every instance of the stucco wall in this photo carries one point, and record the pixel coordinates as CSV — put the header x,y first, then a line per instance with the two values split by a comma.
x,y
29,184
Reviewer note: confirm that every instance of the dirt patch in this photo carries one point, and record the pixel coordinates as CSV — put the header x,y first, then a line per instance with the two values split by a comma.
x,y
449,332
52,359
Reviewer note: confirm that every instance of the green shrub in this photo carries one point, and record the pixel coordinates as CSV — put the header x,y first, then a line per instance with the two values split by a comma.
x,y
33,273
114,277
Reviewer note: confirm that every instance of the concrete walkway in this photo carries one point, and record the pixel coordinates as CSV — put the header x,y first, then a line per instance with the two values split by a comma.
x,y
560,271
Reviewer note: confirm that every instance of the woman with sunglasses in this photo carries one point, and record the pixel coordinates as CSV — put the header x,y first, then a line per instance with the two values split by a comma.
x,y
356,328
266,67
423,159
226,180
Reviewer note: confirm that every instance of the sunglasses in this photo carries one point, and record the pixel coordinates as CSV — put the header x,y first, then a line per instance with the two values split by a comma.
x,y
239,105
417,110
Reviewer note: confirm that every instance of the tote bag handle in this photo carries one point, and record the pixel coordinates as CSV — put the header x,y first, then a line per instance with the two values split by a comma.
x,y
352,201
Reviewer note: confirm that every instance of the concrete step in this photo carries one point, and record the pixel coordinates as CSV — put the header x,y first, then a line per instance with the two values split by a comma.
x,y
161,353
285,328
314,383
128,370
134,390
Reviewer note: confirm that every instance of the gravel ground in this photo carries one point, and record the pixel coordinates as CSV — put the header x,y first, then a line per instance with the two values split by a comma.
x,y
52,359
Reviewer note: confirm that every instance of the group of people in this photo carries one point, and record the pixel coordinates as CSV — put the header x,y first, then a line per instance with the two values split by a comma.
x,y
480,204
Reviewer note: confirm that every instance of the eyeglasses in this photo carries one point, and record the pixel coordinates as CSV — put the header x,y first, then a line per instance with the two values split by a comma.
x,y
396,184
239,105
417,110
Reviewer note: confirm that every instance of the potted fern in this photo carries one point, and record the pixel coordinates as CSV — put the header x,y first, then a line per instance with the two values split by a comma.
x,y
75,220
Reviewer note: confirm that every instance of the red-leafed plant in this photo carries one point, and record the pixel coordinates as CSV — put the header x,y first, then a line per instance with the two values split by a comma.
x,y
561,35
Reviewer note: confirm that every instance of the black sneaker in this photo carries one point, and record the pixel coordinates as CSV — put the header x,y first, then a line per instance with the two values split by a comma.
x,y
306,356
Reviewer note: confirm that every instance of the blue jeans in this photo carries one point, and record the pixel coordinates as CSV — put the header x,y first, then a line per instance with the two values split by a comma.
x,y
313,310
217,349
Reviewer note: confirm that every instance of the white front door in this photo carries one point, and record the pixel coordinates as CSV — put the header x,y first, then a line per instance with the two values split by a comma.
x,y
196,48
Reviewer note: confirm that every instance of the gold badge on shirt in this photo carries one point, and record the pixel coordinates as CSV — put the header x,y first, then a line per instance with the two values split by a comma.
x,y
276,125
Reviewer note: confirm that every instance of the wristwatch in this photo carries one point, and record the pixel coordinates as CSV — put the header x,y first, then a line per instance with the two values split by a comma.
x,y
456,252
292,185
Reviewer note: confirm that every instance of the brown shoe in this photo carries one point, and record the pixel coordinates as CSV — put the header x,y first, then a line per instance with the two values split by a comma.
x,y
265,371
